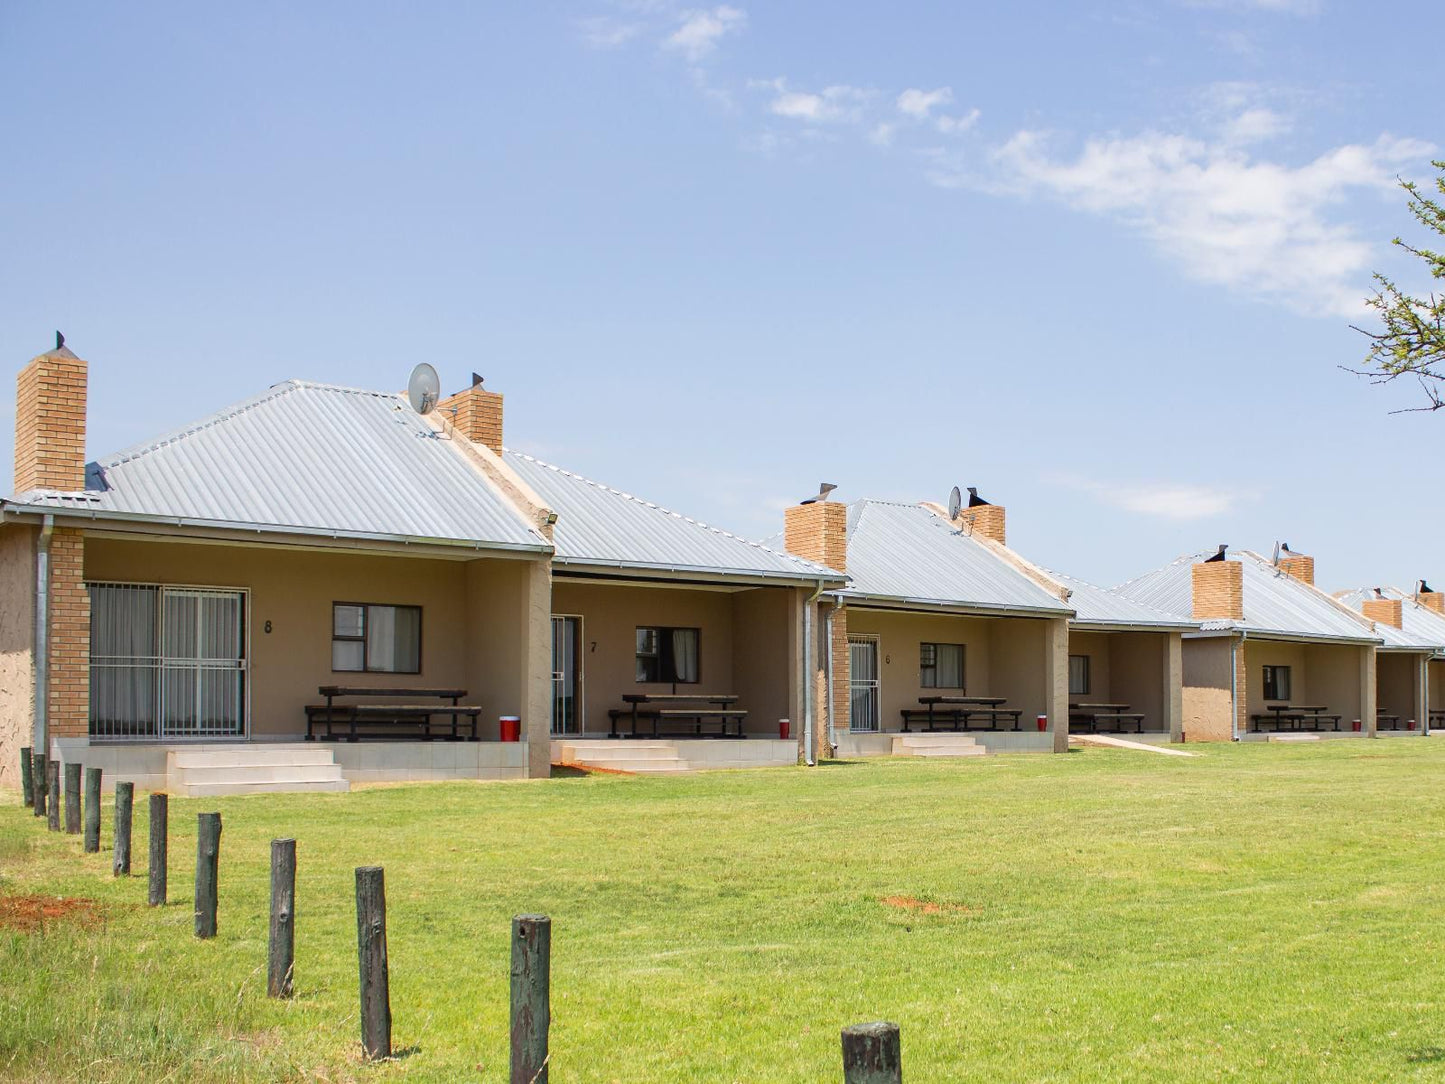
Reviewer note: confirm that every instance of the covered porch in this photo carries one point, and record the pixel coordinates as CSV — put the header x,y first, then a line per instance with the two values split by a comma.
x,y
1401,692
993,678
713,664
1125,682
1308,685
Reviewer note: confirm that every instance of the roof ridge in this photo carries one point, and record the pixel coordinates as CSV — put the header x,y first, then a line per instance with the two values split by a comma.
x,y
1318,592
793,557
210,421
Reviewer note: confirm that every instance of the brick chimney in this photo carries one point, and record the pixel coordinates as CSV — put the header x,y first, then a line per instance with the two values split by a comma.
x,y
1218,590
476,414
818,532
986,520
50,421
1299,566
1431,600
1384,611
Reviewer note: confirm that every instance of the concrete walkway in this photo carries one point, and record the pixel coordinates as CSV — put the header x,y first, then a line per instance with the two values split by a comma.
x,y
1123,743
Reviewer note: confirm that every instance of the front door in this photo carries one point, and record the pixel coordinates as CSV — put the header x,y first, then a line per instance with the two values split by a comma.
x,y
566,675
863,683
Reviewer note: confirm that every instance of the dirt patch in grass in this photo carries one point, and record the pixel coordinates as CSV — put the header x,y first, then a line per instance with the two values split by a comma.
x,y
927,907
573,771
31,913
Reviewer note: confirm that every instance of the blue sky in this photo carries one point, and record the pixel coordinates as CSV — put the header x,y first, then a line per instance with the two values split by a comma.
x,y
1098,260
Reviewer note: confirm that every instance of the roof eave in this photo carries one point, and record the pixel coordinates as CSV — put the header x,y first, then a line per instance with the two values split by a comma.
x,y
961,609
749,576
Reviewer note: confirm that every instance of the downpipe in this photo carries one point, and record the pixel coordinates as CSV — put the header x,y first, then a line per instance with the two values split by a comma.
x,y
810,664
828,681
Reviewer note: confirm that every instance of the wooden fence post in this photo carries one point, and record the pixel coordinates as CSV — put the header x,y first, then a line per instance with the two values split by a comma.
x,y
92,810
52,784
281,945
124,807
27,780
159,845
72,797
208,850
371,959
531,997
872,1054
37,783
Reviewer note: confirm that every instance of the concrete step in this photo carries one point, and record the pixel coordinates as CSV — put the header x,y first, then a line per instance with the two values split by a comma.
x,y
970,751
937,745
259,773
1294,737
639,767
221,790
611,753
247,756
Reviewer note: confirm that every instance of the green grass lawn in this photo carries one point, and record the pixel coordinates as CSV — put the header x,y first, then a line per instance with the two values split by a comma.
x,y
1261,912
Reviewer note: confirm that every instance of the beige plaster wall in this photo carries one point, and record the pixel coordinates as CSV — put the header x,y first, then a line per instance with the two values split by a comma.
x,y
1005,657
17,643
765,634
1139,672
1096,645
1207,689
1342,676
1436,676
1261,653
471,618
1397,685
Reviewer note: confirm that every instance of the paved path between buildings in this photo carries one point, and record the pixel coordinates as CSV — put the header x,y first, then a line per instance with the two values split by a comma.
x,y
1123,743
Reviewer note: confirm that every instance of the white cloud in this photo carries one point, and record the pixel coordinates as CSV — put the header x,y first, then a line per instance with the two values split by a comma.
x,y
1226,218
881,135
602,32
949,125
917,103
701,30
1286,7
1165,500
836,104
1254,126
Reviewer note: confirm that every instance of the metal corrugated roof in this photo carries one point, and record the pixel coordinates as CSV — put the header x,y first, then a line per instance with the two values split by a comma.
x,y
905,553
1423,629
1101,607
306,458
1275,604
604,527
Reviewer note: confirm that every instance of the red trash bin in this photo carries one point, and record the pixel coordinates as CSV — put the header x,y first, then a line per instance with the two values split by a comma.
x,y
511,727
785,728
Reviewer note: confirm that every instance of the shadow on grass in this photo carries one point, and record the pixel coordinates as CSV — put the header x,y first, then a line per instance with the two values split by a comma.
x,y
1426,1055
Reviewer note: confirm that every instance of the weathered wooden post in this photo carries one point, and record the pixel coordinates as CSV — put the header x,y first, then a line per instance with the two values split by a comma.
x,y
281,945
124,806
159,843
208,850
371,958
72,797
92,810
52,784
531,997
37,783
27,780
872,1054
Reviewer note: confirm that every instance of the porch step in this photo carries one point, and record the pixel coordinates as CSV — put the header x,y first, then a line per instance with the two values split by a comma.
x,y
624,755
937,745
1294,737
261,769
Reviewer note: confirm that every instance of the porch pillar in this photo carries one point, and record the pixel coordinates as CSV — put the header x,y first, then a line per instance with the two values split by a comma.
x,y
1367,690
537,671
68,696
1173,678
1056,677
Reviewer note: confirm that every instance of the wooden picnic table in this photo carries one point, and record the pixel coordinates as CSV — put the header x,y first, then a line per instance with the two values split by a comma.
x,y
1095,713
412,713
1299,714
681,706
1386,720
990,706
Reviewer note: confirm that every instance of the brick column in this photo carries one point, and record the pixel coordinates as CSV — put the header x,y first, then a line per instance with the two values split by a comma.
x,y
68,704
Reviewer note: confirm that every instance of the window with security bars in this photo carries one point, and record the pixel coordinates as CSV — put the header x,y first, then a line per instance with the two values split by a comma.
x,y
374,638
167,662
1079,675
1276,682
940,666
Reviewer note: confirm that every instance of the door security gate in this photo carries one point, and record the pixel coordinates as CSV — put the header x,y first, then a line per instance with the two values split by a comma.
x,y
863,683
167,662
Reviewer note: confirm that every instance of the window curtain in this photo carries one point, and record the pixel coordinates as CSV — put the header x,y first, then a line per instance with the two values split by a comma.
x,y
684,654
123,660
950,666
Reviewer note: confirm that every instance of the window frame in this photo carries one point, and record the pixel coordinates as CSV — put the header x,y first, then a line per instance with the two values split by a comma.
x,y
925,682
366,608
1088,668
661,631
1271,681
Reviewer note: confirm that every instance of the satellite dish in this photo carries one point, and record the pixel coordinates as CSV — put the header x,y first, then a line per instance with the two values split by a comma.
x,y
424,389
955,503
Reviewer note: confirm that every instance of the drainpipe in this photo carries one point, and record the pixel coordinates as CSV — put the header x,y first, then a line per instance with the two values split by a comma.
x,y
1235,646
810,664
42,630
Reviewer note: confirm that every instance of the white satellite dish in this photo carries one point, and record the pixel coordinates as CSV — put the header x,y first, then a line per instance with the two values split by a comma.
x,y
424,389
955,503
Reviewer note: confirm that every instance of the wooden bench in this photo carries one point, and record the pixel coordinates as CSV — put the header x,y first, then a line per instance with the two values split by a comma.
x,y
1298,718
659,709
392,722
1385,721
1096,719
960,718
